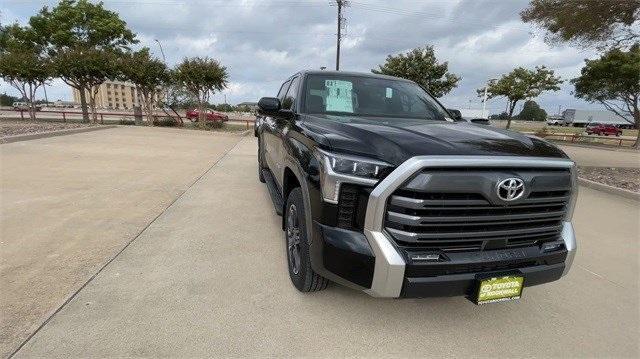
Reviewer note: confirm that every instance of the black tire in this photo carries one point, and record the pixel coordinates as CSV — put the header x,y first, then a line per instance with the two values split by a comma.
x,y
260,163
302,275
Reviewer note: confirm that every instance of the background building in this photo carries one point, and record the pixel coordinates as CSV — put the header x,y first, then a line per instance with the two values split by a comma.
x,y
115,95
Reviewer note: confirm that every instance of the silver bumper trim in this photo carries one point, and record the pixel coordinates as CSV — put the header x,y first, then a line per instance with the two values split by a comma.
x,y
389,267
569,239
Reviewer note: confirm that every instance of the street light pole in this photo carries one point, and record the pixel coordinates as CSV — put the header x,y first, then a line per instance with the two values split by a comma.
x,y
484,100
161,51
164,59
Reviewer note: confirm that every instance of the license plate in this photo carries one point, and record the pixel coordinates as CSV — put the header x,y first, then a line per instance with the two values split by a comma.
x,y
499,289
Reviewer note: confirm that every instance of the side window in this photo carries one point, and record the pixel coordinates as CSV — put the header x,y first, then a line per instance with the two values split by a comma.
x,y
292,94
283,90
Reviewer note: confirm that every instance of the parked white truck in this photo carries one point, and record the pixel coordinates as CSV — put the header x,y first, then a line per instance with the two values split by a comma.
x,y
580,118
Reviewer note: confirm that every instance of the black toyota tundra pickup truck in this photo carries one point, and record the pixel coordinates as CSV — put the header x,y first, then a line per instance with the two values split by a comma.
x,y
381,189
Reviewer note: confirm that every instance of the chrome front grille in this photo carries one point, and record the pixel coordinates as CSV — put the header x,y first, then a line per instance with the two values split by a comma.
x,y
440,210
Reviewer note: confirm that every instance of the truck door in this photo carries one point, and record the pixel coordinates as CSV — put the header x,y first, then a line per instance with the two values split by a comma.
x,y
282,125
269,136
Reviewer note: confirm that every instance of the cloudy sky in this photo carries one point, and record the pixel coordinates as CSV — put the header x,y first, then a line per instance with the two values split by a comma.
x,y
263,41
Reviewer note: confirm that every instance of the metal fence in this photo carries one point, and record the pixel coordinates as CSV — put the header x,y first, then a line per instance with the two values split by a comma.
x,y
111,116
578,137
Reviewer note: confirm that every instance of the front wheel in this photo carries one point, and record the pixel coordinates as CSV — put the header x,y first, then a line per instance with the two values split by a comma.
x,y
298,261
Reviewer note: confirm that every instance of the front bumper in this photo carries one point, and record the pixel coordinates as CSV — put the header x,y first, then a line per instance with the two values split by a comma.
x,y
390,279
348,258
466,284
371,261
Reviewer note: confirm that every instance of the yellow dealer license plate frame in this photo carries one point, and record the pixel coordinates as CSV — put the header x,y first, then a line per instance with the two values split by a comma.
x,y
501,288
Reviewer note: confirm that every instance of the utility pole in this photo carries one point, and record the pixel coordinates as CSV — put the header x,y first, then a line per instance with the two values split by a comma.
x,y
340,4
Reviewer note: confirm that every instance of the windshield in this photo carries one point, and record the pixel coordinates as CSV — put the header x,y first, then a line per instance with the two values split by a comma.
x,y
369,96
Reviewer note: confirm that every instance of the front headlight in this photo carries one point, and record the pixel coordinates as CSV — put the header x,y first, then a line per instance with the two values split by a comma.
x,y
338,168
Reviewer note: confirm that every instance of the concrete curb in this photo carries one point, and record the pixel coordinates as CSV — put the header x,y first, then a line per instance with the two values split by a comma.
x,y
35,136
609,189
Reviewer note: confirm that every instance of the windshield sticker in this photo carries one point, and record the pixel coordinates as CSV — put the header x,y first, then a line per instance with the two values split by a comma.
x,y
339,97
389,92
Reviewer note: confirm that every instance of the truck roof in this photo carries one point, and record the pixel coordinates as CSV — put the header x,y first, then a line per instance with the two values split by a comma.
x,y
350,73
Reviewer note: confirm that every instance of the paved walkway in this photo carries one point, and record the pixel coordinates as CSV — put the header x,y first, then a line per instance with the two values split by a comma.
x,y
69,204
208,279
589,156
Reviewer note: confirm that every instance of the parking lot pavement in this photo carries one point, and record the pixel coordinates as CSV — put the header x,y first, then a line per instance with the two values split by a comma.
x,y
68,204
596,157
208,279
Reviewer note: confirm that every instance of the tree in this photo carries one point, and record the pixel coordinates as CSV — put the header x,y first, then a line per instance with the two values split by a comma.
x,y
421,66
614,81
531,111
77,29
149,76
23,63
594,22
224,107
178,97
201,77
521,84
7,100
501,116
85,70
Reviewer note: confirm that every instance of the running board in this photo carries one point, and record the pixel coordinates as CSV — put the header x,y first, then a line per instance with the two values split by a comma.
x,y
276,197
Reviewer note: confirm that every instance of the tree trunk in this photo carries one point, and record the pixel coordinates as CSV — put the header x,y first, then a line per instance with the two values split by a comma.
x,y
32,112
146,99
636,117
92,104
512,106
202,116
150,116
83,104
32,107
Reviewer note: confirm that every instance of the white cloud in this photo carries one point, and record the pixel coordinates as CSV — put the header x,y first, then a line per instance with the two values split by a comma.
x,y
262,42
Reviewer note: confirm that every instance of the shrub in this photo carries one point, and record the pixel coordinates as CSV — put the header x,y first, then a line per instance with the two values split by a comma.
x,y
165,122
124,121
211,125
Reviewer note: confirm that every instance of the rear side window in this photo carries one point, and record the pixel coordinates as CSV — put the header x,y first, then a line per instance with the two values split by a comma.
x,y
290,98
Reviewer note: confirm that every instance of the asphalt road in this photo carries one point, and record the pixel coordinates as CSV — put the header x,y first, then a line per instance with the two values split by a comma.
x,y
208,278
68,204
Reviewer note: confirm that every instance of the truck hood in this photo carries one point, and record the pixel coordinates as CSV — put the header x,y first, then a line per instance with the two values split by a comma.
x,y
394,140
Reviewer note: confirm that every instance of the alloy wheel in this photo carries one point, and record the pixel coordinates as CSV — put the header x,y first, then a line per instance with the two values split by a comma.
x,y
293,239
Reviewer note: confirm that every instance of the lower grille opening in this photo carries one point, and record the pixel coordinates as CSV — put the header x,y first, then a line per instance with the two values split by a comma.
x,y
425,271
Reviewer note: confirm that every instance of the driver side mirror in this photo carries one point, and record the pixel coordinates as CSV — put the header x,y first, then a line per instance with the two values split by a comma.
x,y
456,114
269,106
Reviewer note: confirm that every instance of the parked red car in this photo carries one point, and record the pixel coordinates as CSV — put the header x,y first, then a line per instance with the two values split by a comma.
x,y
603,130
194,114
